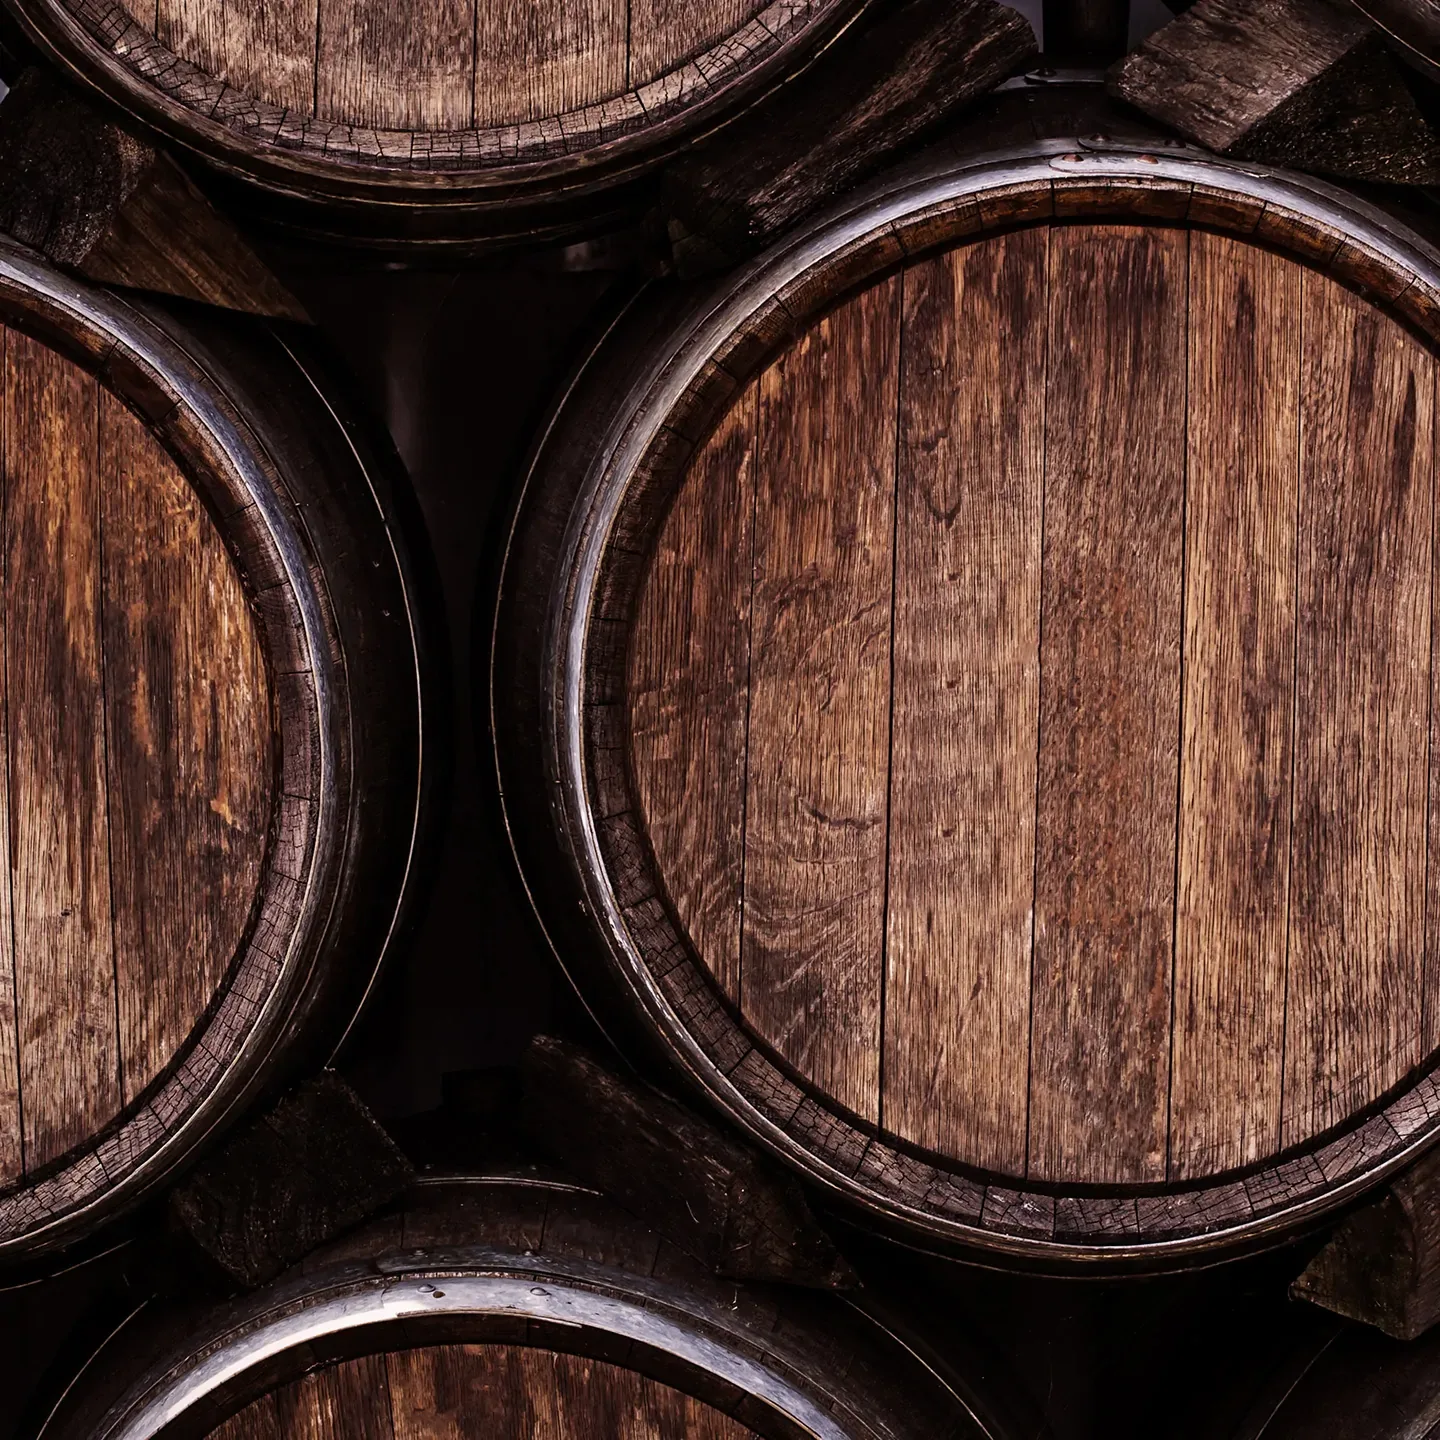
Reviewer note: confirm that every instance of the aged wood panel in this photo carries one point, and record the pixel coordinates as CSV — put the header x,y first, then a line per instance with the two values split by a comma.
x,y
1109,704
534,60
64,962
815,824
257,1421
966,682
663,33
12,1156
188,746
1234,832
409,66
350,1401
689,679
263,47
1355,986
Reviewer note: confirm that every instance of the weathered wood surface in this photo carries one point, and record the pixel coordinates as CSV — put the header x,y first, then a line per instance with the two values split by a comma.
x,y
1303,83
868,97
318,1164
1072,591
90,196
706,1194
138,755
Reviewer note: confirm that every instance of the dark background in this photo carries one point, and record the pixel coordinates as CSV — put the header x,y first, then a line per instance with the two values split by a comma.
x,y
460,364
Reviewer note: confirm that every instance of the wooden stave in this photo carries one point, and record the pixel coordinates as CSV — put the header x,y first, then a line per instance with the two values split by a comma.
x,y
550,197
251,409
657,349
597,1284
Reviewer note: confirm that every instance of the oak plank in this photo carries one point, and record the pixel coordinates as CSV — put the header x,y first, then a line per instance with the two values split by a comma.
x,y
188,746
1357,921
536,58
689,690
349,1401
64,961
1234,836
257,1421
12,1153
812,958
264,48
399,67
966,700
1109,704
665,33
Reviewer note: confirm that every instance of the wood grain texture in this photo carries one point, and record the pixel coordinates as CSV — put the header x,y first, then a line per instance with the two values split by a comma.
x,y
1109,704
689,692
257,1421
663,33
1234,829
815,826
189,749
12,1151
966,682
264,47
1355,988
535,60
64,961
403,67
350,1401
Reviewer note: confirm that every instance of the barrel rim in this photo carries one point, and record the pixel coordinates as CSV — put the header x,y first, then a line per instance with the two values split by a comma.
x,y
228,467
91,38
696,367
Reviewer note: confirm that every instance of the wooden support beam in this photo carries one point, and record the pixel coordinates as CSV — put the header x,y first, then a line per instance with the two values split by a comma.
x,y
873,93
90,196
315,1166
707,1195
1300,83
1382,1265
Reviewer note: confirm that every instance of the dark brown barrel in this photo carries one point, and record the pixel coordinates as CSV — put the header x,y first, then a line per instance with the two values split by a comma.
x,y
511,1308
434,118
974,669
208,660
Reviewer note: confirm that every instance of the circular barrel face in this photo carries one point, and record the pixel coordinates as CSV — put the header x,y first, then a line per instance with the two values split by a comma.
x,y
433,94
1005,714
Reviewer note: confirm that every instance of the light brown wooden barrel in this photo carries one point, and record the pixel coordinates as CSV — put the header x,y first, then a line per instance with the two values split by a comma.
x,y
989,698
176,769
465,111
516,1307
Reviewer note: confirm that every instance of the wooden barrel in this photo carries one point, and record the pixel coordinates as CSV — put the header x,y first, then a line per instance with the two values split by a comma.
x,y
513,1307
437,118
973,670
208,664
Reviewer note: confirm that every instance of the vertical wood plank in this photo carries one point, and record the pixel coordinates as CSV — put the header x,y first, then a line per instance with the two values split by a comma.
x,y
65,976
689,684
12,1155
665,33
1109,704
1234,837
536,58
399,67
257,1421
966,698
264,47
349,1401
1356,970
187,743
812,960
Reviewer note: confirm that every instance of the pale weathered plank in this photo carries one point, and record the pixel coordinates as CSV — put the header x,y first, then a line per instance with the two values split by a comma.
x,y
689,677
401,67
188,746
966,696
12,1156
264,48
1109,704
65,974
1357,944
543,57
812,954
663,33
1234,834
350,1401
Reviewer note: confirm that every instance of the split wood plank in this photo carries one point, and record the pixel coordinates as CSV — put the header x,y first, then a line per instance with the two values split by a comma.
x,y
535,60
966,696
1234,833
12,1156
1357,939
689,689
64,960
398,67
815,824
1109,704
665,33
264,48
